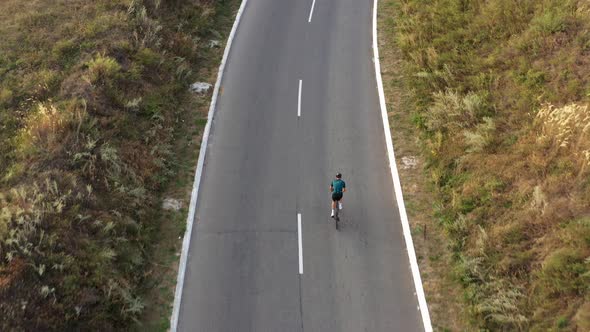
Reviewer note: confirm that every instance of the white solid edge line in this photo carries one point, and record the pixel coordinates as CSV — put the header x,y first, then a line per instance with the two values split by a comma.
x,y
311,11
300,243
299,99
198,173
397,184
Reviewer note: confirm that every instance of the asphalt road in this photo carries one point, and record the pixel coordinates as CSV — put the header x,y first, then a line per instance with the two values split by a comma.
x,y
265,165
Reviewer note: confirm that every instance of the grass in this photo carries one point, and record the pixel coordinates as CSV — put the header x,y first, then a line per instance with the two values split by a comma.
x,y
497,94
434,257
96,126
102,69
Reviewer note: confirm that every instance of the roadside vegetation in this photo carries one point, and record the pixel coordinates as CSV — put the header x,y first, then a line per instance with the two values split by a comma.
x,y
96,124
498,92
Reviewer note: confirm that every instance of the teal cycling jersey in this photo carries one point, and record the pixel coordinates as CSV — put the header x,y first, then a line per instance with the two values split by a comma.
x,y
338,186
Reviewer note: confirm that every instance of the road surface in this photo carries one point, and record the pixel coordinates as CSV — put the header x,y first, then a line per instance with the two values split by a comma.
x,y
298,102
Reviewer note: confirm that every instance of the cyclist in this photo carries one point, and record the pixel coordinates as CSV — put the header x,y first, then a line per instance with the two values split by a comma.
x,y
337,188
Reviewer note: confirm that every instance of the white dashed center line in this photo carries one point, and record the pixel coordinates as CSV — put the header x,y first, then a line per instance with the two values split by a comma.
x,y
311,11
300,243
299,100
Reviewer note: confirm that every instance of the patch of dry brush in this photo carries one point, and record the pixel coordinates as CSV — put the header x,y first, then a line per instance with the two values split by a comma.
x,y
90,107
500,91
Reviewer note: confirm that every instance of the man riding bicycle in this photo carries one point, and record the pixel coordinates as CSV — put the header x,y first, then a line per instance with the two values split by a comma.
x,y
337,188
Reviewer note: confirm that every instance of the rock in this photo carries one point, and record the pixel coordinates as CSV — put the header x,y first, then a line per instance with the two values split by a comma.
x,y
200,87
214,43
409,162
171,204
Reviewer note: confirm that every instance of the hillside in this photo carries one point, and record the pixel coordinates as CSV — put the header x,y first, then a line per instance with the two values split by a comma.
x,y
96,123
498,93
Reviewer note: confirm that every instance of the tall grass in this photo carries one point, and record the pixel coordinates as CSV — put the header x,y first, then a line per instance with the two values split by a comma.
x,y
91,106
102,69
566,130
499,91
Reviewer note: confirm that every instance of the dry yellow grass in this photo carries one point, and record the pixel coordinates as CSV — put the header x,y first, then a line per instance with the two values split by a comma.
x,y
566,129
497,92
433,255
94,128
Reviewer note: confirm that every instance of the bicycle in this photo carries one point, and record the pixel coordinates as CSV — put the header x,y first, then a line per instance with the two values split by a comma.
x,y
337,214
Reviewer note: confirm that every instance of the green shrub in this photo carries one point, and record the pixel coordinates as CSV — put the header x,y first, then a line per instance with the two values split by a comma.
x,y
45,130
498,304
532,78
458,230
566,272
66,51
146,29
102,24
450,110
148,57
48,79
5,96
562,322
481,137
550,22
102,68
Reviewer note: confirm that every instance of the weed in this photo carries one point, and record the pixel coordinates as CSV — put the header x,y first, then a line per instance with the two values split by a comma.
x,y
562,322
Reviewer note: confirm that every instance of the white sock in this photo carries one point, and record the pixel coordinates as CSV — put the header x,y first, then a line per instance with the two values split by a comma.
x,y
332,212
340,205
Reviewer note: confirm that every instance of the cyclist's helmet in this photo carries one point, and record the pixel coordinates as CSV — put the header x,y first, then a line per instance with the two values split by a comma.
x,y
338,175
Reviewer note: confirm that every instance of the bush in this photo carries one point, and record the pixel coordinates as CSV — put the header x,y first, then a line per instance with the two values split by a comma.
x,y
5,96
102,69
146,32
562,322
481,137
566,272
498,304
550,22
45,130
450,111
148,57
65,52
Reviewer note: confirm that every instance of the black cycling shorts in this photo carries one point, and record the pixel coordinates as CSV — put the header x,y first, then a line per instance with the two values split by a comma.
x,y
336,197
